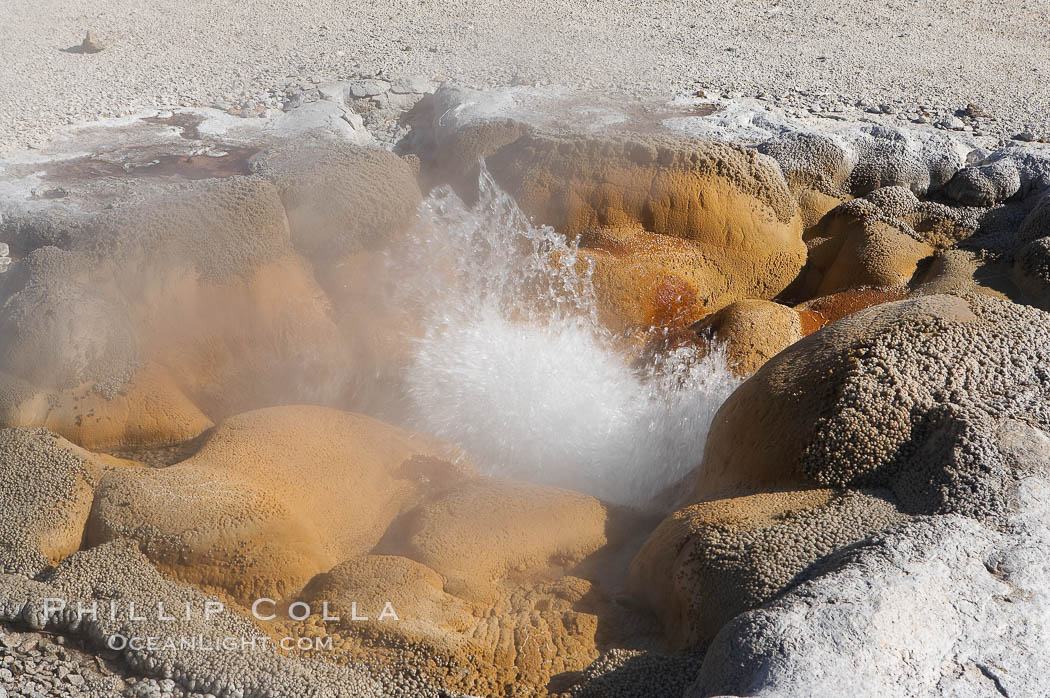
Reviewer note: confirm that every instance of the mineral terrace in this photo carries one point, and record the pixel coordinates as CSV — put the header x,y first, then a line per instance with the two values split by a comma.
x,y
598,397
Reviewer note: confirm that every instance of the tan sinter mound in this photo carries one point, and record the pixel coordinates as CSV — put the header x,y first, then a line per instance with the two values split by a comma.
x,y
288,492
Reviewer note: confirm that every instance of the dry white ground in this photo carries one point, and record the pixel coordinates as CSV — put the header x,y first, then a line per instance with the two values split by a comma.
x,y
907,54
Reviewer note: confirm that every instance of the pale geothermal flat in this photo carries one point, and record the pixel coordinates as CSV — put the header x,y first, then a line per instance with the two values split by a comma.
x,y
929,55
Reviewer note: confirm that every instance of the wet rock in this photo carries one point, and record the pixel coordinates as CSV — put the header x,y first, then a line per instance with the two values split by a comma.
x,y
961,454
751,331
644,280
820,312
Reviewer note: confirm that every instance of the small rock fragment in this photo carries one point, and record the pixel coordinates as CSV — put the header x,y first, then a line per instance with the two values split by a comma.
x,y
975,112
91,44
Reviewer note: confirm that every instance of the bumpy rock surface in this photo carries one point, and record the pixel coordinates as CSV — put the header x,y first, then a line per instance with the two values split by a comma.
x,y
149,408
580,183
1012,172
338,197
822,311
941,402
505,612
276,497
711,561
753,331
861,161
46,485
887,388
636,673
748,333
643,280
135,316
1032,271
532,635
362,586
941,606
879,241
194,299
273,498
731,206
501,581
551,529
117,572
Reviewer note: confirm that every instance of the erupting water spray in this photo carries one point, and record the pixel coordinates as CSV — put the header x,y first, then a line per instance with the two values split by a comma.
x,y
515,366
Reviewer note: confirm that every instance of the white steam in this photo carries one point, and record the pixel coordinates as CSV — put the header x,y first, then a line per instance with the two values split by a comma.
x,y
515,367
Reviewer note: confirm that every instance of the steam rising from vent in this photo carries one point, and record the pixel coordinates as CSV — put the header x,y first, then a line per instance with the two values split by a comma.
x,y
516,368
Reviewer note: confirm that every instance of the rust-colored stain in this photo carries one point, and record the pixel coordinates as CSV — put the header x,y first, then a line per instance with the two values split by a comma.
x,y
811,321
821,312
672,302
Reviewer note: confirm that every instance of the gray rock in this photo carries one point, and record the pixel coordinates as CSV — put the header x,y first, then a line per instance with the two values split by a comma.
x,y
361,89
325,115
399,102
41,520
119,571
335,91
995,180
416,84
952,601
861,160
293,102
942,606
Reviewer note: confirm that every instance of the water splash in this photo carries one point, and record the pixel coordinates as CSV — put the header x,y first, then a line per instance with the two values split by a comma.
x,y
515,367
